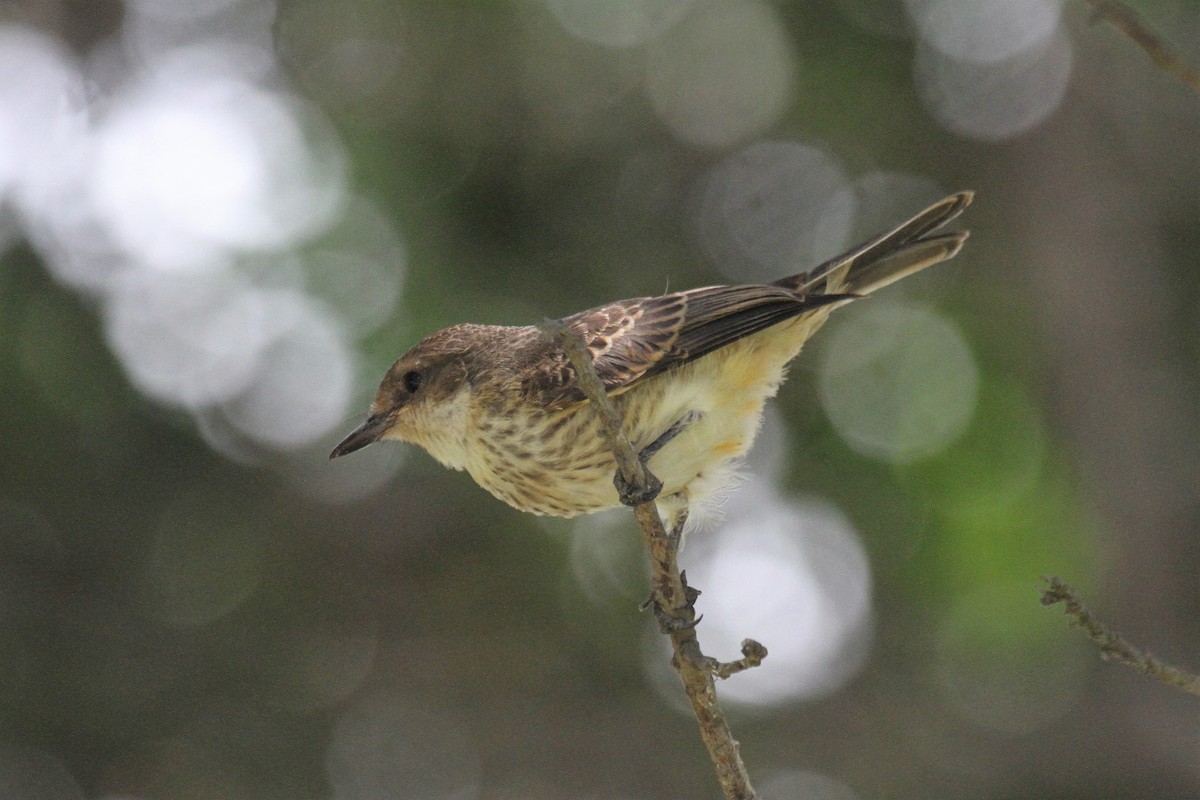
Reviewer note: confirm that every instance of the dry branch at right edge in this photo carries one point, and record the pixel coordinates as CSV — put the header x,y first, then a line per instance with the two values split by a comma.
x,y
1112,646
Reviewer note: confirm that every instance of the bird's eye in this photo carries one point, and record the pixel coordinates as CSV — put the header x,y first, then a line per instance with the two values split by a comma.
x,y
413,380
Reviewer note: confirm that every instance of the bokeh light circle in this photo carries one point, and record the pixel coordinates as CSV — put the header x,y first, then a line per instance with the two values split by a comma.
x,y
723,74
42,111
985,30
898,382
763,212
384,745
994,101
202,564
189,339
303,386
794,576
618,23
189,166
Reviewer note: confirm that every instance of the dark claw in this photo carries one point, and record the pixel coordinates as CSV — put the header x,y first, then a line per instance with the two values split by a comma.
x,y
675,535
667,623
633,495
671,623
690,593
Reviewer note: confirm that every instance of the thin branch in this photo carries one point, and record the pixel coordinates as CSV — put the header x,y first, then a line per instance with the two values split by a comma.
x,y
671,597
753,654
1164,56
1112,646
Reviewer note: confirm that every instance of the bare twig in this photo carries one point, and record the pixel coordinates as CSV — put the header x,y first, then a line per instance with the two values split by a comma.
x,y
1112,646
753,654
671,597
1161,53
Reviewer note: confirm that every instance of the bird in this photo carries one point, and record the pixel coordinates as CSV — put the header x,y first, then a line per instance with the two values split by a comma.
x,y
689,372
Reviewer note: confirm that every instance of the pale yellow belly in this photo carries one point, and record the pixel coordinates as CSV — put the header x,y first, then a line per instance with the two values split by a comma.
x,y
573,474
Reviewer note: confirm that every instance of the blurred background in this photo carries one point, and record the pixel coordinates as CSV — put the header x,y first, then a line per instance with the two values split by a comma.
x,y
221,221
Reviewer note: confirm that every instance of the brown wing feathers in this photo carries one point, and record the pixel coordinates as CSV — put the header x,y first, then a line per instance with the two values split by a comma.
x,y
635,339
723,314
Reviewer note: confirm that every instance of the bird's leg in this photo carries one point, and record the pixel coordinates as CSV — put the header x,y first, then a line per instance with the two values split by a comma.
x,y
675,534
670,433
629,495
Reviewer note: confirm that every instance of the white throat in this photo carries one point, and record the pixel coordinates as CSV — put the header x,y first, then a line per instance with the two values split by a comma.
x,y
441,428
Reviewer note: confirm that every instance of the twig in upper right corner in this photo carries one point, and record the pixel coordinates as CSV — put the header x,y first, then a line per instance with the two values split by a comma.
x,y
1164,56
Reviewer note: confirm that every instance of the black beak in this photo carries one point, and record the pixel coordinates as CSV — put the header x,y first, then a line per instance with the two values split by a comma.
x,y
365,434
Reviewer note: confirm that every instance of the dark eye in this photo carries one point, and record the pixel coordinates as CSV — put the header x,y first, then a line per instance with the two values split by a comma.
x,y
413,380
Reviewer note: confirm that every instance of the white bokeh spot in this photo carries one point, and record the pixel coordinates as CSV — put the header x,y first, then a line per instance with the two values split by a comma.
x,y
618,23
898,382
198,164
304,383
794,576
763,212
723,74
985,30
992,101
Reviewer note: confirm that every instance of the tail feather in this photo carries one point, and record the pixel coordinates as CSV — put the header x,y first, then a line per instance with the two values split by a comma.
x,y
888,257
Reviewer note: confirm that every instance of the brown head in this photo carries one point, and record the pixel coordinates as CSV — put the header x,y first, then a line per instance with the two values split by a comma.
x,y
424,398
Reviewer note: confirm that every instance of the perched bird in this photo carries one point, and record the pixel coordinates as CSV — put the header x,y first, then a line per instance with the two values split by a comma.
x,y
689,372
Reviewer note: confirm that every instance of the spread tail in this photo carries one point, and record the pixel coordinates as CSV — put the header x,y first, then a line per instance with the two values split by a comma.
x,y
888,257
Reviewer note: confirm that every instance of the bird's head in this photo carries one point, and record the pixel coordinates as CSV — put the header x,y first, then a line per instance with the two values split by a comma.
x,y
424,399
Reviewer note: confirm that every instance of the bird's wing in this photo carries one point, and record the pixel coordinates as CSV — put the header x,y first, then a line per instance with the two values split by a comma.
x,y
632,340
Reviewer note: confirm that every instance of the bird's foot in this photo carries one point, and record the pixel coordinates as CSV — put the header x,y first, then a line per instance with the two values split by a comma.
x,y
678,521
631,495
676,619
